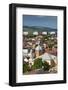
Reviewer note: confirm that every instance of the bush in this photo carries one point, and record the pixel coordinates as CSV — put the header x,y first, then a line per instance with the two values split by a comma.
x,y
46,66
26,67
37,63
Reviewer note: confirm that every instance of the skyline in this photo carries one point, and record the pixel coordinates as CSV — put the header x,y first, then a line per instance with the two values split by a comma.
x,y
40,21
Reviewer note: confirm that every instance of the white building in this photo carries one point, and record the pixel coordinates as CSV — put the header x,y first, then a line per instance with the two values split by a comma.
x,y
30,60
25,33
44,33
52,33
25,52
35,33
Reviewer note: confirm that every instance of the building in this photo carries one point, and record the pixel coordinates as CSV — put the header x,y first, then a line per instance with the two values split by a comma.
x,y
25,52
25,33
44,33
38,49
35,33
52,33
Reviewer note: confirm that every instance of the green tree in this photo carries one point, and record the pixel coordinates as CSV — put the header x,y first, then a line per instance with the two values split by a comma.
x,y
25,67
37,63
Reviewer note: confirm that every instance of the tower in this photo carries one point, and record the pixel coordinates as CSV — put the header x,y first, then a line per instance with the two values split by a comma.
x,y
38,50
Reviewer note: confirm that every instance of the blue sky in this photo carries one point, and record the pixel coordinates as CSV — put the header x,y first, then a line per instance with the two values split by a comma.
x,y
44,21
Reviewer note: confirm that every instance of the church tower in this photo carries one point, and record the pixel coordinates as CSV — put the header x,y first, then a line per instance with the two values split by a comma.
x,y
38,49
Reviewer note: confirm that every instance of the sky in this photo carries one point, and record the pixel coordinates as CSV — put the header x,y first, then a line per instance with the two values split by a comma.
x,y
42,21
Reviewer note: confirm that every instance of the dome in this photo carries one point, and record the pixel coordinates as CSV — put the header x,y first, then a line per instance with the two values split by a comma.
x,y
38,48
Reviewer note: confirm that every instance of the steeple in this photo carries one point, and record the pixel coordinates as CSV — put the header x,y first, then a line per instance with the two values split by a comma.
x,y
38,49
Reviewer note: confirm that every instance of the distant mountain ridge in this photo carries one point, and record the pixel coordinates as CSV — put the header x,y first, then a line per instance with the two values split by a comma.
x,y
38,29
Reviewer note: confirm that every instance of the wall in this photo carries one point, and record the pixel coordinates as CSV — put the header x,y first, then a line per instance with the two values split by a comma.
x,y
4,44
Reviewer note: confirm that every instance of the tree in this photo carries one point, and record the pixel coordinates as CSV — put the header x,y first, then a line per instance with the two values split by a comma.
x,y
37,63
26,67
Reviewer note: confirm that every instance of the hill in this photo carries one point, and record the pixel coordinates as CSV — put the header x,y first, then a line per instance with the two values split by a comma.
x,y
31,29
